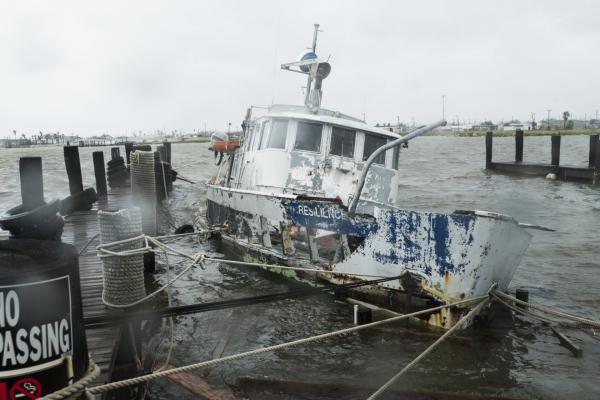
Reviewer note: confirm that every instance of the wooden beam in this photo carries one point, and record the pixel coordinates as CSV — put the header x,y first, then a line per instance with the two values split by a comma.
x,y
200,387
568,343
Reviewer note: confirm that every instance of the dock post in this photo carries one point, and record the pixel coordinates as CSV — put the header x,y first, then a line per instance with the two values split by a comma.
x,y
32,183
597,163
489,136
523,295
555,156
163,153
128,150
519,145
592,157
99,172
115,153
73,166
167,146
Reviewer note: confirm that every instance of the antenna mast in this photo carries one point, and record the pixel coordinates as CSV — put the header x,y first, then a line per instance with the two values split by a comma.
x,y
309,78
316,70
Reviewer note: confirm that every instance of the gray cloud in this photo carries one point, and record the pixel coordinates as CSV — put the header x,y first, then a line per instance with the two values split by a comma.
x,y
114,67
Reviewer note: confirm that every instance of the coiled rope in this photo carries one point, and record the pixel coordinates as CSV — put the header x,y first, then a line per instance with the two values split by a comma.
x,y
152,376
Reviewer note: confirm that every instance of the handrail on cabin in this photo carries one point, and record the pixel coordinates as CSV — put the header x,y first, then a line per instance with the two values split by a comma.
x,y
373,156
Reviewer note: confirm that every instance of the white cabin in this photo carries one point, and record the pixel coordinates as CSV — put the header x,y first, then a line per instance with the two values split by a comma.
x,y
292,150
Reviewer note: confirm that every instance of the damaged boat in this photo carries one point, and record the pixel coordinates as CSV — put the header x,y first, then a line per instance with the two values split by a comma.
x,y
317,189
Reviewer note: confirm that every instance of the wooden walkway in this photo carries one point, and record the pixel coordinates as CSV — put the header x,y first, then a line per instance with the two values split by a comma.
x,y
81,229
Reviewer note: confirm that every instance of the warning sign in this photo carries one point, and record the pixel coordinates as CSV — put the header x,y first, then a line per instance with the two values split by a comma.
x,y
35,324
36,339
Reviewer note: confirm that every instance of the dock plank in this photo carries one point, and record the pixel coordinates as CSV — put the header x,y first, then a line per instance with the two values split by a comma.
x,y
81,229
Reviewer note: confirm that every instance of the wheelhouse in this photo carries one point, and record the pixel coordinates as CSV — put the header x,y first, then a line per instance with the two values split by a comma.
x,y
317,155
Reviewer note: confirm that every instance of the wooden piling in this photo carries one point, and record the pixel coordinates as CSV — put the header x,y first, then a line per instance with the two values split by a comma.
x,y
115,153
72,163
100,172
523,295
596,179
592,156
519,145
489,136
128,150
32,183
167,146
163,152
555,151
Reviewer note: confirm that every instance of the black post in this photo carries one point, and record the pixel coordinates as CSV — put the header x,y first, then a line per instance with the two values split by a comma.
x,y
32,183
163,152
99,172
167,151
523,295
519,145
115,153
593,143
73,169
597,163
489,136
555,159
128,149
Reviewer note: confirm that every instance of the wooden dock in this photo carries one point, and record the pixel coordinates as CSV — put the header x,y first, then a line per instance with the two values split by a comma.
x,y
589,173
81,229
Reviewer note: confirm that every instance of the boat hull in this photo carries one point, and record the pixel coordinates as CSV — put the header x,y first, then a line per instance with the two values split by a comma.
x,y
441,258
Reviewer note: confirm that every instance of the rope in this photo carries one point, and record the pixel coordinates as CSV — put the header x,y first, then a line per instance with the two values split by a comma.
x,y
123,277
155,241
149,377
547,310
524,312
411,364
75,389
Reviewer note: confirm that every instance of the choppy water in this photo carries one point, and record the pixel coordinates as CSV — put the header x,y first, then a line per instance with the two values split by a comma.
x,y
506,357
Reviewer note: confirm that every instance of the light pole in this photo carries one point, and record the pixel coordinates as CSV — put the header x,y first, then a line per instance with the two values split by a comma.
x,y
443,106
533,121
548,123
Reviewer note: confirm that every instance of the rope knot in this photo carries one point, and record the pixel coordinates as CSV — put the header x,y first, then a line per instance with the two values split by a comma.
x,y
200,258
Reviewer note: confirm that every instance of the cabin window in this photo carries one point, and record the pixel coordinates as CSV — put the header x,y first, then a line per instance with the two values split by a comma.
x,y
395,157
262,135
342,142
372,143
308,137
278,134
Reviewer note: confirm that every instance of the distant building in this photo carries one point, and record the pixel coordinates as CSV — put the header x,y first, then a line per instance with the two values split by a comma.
x,y
485,126
513,126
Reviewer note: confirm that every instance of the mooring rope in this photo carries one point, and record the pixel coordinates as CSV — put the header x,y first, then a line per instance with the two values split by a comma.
x,y
104,248
74,390
558,313
446,334
152,376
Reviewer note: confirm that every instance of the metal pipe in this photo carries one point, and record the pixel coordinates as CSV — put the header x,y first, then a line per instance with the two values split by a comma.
x,y
376,153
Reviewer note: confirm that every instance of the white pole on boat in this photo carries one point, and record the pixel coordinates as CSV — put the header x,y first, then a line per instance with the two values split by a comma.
x,y
309,79
356,314
376,153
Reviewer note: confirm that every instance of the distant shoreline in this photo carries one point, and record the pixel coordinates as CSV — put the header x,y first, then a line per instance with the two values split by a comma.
x,y
567,132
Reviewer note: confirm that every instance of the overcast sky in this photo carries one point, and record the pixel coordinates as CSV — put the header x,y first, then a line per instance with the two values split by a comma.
x,y
119,66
